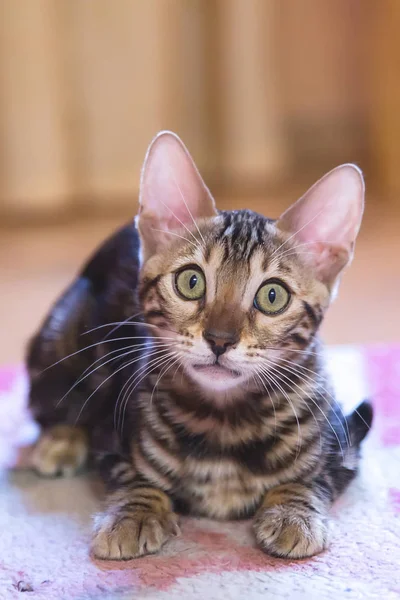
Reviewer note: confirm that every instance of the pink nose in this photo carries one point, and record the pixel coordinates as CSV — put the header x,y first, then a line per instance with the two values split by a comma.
x,y
220,341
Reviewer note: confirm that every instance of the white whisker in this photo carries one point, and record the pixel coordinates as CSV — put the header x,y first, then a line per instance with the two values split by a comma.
x,y
129,363
187,208
291,384
131,379
167,360
160,361
293,369
307,406
293,248
176,235
131,348
299,437
126,385
118,324
298,253
137,337
312,414
82,378
296,232
308,352
177,368
269,395
162,373
181,222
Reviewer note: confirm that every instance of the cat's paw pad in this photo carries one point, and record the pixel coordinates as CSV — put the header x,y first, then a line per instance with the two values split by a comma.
x,y
143,532
62,450
285,532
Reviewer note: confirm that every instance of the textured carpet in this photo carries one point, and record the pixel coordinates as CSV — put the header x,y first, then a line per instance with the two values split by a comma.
x,y
45,525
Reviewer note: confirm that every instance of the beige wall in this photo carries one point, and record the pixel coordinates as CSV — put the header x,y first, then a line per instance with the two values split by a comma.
x,y
254,87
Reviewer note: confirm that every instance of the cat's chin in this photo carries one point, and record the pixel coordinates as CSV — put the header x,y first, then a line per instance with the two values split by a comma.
x,y
215,377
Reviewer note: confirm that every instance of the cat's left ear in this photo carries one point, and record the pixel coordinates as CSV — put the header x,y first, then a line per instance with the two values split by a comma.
x,y
324,223
173,196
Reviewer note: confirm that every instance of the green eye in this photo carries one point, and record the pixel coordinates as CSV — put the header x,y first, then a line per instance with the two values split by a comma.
x,y
190,283
272,298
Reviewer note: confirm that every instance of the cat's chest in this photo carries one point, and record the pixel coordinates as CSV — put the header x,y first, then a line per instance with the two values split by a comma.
x,y
219,488
205,482
215,469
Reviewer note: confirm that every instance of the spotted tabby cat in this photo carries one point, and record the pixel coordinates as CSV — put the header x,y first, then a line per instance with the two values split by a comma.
x,y
184,360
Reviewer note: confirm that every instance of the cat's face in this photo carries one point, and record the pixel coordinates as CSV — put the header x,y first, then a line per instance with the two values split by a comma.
x,y
234,303
235,294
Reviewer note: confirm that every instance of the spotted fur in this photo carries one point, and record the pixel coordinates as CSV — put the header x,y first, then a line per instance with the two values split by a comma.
x,y
273,444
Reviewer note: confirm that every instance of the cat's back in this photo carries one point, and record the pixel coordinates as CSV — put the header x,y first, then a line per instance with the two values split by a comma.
x,y
77,326
117,256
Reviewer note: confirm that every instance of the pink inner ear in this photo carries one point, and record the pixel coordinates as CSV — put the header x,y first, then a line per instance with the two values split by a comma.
x,y
326,220
172,190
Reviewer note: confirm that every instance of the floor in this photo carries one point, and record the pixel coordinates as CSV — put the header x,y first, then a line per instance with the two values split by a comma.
x,y
210,560
37,262
45,524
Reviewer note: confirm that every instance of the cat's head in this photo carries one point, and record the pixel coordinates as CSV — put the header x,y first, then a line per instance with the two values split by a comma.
x,y
236,293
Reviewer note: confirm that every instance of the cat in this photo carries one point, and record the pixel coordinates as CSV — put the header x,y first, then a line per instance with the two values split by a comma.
x,y
184,360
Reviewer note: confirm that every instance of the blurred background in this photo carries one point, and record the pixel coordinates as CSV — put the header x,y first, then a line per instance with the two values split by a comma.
x,y
266,94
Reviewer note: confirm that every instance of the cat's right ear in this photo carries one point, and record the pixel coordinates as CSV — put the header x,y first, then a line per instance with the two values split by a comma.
x,y
173,196
326,221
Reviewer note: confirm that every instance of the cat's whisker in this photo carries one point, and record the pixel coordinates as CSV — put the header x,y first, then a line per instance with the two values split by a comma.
x,y
163,329
298,231
129,363
161,375
309,409
126,322
118,323
256,374
292,248
132,348
307,406
126,338
290,383
176,235
126,387
298,253
296,350
271,377
83,376
167,361
307,379
187,207
177,369
293,368
148,369
183,224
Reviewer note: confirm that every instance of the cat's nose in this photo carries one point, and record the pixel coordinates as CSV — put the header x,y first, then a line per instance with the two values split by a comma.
x,y
220,341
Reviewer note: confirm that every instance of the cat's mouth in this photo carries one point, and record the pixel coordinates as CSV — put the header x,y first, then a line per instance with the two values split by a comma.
x,y
216,369
215,376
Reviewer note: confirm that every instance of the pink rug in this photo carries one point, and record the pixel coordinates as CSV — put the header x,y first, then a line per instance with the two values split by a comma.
x,y
45,525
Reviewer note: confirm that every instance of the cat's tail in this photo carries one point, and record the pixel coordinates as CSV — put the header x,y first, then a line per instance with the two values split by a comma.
x,y
359,422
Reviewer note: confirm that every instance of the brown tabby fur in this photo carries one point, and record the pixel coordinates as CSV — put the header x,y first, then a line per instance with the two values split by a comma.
x,y
276,446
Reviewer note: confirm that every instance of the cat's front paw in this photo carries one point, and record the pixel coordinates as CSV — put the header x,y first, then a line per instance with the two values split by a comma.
x,y
62,450
143,532
287,532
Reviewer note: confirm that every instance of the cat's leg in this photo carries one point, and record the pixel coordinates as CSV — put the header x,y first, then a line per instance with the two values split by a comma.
x,y
292,521
138,518
61,450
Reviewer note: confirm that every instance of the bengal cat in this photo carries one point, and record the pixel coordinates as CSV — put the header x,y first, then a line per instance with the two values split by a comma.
x,y
185,361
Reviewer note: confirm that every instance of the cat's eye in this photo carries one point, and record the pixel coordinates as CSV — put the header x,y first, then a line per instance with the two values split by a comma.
x,y
190,283
272,298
